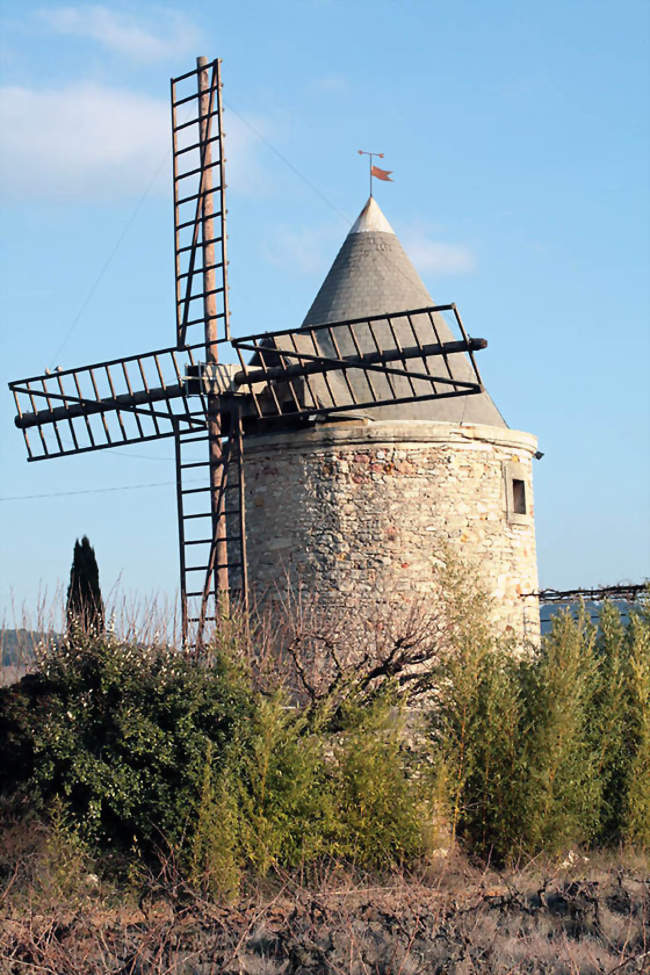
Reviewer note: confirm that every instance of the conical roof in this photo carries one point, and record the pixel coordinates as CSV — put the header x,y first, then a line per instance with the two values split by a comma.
x,y
372,275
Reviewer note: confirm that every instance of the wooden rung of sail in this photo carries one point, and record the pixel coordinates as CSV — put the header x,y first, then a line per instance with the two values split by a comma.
x,y
194,121
216,565
197,197
111,403
199,169
223,568
201,321
188,98
359,363
189,247
202,294
195,145
209,267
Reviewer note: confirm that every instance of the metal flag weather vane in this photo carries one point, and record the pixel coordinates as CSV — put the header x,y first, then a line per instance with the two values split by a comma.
x,y
285,379
384,174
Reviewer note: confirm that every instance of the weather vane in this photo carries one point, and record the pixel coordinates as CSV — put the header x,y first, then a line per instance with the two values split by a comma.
x,y
375,171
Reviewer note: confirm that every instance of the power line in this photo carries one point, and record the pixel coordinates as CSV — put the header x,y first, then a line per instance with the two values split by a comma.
x,y
138,207
106,490
124,453
287,162
109,259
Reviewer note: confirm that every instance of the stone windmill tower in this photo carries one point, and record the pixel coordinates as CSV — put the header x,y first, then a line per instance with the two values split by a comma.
x,y
356,508
340,455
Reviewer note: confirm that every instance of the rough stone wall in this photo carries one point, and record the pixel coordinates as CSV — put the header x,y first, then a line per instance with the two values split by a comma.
x,y
357,513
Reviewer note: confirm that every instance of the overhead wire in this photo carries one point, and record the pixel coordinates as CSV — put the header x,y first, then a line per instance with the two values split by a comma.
x,y
91,291
102,271
62,494
287,162
109,259
105,490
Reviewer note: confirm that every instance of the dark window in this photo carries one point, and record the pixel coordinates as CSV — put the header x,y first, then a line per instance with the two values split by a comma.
x,y
518,497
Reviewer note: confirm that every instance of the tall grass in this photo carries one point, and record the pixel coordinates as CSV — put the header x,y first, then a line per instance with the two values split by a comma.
x,y
547,749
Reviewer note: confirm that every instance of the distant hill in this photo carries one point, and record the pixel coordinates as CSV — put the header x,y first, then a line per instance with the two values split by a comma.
x,y
546,613
17,646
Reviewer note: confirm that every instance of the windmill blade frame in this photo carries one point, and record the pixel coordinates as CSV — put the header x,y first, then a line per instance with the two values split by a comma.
x,y
203,601
200,248
200,239
357,364
134,399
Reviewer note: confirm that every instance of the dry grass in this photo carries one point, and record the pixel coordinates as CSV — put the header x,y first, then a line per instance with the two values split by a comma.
x,y
448,916
147,620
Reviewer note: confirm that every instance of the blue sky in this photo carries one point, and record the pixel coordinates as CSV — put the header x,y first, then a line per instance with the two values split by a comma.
x,y
518,137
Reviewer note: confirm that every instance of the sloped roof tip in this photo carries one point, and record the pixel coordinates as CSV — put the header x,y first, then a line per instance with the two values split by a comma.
x,y
371,219
372,276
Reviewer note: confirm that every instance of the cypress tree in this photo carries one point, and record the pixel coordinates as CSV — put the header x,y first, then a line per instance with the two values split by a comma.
x,y
84,604
637,817
563,796
609,721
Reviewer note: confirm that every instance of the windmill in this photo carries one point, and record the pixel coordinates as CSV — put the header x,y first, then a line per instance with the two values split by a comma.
x,y
290,378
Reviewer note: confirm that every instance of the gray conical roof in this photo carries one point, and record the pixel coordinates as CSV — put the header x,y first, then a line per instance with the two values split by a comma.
x,y
372,275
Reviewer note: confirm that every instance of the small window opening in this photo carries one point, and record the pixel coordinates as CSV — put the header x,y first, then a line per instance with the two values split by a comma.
x,y
518,497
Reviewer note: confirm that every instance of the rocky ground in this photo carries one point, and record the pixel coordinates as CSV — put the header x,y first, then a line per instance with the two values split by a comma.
x,y
577,918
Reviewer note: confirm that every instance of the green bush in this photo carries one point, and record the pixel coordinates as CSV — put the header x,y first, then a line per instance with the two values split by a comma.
x,y
547,750
482,752
146,747
561,789
119,733
610,719
283,785
138,748
636,805
297,790
214,865
474,725
382,803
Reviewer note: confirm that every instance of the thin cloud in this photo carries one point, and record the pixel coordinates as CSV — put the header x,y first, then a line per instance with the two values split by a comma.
x,y
437,256
305,251
172,34
331,84
90,140
311,250
80,140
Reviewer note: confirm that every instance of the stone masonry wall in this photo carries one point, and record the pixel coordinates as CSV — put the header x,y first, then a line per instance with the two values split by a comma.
x,y
356,512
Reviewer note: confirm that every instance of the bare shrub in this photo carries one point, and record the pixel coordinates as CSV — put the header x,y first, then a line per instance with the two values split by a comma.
x,y
322,655
341,921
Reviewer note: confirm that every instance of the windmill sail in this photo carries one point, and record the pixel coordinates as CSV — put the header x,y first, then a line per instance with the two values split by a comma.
x,y
199,204
202,311
358,365
211,525
106,404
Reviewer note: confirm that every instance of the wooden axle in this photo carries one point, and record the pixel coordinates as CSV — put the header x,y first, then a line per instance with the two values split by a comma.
x,y
124,401
327,364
